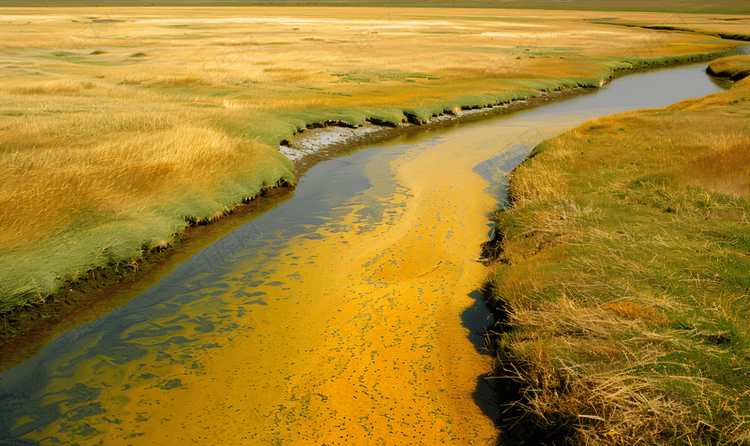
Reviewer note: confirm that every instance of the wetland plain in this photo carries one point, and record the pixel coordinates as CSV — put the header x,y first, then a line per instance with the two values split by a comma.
x,y
120,127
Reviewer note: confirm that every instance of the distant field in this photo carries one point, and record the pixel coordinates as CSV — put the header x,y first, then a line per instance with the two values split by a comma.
x,y
119,125
677,6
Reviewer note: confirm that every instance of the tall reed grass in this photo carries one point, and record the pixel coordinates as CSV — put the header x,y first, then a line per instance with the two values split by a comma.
x,y
60,176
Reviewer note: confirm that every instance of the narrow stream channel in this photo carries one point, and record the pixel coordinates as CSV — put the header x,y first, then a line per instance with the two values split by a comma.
x,y
345,316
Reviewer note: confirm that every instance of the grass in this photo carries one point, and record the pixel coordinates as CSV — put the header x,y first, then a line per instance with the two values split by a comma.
x,y
621,282
735,68
119,126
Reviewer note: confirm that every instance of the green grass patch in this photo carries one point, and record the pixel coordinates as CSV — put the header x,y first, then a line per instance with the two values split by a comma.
x,y
80,60
420,115
556,84
439,32
624,276
384,75
283,126
519,50
480,18
661,27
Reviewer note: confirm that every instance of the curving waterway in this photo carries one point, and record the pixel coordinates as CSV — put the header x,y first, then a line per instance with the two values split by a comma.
x,y
347,315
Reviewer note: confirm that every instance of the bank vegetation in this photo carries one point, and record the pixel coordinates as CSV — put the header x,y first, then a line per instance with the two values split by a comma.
x,y
622,280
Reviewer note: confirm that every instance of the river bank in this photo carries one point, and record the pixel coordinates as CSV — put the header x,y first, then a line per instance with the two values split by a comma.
x,y
322,141
730,68
620,288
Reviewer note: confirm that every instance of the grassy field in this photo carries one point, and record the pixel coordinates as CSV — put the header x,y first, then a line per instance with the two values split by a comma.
x,y
623,277
670,6
119,126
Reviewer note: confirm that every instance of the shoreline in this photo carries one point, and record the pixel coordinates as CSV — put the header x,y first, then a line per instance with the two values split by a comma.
x,y
35,324
353,138
25,333
567,403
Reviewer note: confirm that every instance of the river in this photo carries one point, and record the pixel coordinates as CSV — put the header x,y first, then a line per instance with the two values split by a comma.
x,y
346,315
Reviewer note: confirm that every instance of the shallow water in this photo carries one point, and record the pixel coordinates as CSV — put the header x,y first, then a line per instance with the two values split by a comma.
x,y
346,315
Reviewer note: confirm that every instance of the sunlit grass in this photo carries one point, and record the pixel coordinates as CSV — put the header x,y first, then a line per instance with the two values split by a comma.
x,y
118,173
724,167
623,269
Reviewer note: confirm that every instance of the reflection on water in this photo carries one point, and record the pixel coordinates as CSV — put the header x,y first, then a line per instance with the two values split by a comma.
x,y
344,316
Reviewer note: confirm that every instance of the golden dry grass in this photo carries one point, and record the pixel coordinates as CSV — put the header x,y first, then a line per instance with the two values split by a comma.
x,y
114,174
724,167
623,271
735,68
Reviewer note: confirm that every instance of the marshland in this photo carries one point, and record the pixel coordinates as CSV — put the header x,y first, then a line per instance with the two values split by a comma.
x,y
349,311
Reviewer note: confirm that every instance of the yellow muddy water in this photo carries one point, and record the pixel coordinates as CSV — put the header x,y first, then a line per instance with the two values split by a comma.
x,y
369,347
351,335
344,316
